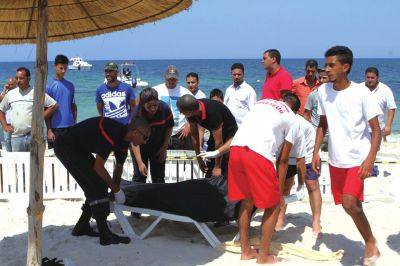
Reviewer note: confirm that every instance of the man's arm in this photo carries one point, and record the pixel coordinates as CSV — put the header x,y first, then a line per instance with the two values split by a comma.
x,y
102,172
7,127
282,163
132,104
74,109
217,135
138,157
321,131
201,137
388,127
49,111
368,163
100,108
301,170
162,152
194,132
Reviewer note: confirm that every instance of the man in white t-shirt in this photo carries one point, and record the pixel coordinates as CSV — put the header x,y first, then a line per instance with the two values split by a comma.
x,y
384,95
252,177
170,92
20,103
300,158
348,108
240,96
193,82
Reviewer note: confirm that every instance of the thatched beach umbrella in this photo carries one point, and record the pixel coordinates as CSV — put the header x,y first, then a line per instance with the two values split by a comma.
x,y
40,21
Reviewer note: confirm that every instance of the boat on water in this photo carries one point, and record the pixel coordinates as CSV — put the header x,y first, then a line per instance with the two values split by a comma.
x,y
77,63
128,72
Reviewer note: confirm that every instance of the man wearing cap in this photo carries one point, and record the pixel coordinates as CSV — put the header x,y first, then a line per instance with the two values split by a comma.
x,y
170,92
115,99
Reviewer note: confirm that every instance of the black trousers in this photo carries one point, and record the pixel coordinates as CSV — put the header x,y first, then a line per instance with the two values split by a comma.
x,y
176,143
80,165
157,168
57,132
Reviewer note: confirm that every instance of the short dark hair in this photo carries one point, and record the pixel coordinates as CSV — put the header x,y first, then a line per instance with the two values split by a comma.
x,y
274,53
237,66
217,92
187,103
312,63
138,122
372,70
60,59
27,72
343,54
293,101
193,75
321,70
147,94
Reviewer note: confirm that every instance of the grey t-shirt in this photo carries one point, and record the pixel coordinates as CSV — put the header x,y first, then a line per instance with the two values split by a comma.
x,y
312,106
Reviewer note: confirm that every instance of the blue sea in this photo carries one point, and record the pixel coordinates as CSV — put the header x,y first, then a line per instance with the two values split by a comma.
x,y
214,73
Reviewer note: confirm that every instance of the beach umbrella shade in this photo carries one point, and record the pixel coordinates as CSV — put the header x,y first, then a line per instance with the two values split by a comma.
x,y
42,21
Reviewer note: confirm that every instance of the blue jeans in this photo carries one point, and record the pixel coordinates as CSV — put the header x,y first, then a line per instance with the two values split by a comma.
x,y
6,141
21,143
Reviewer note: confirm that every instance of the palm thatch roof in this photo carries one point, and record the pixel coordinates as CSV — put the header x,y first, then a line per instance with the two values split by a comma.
x,y
74,19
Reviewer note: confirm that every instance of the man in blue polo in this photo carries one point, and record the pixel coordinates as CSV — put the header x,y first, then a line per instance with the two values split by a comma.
x,y
63,92
115,99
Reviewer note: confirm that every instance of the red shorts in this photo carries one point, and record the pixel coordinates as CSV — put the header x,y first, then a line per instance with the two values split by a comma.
x,y
346,181
250,175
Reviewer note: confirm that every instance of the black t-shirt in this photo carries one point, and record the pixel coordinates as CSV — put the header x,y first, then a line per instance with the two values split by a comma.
x,y
159,123
214,115
100,135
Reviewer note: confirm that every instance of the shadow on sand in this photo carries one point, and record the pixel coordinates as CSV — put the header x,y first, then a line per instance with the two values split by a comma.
x,y
393,241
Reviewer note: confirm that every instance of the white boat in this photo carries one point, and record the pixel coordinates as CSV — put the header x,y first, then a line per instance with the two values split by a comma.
x,y
128,73
77,63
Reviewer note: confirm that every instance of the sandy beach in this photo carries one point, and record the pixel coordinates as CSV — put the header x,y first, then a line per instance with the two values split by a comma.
x,y
175,243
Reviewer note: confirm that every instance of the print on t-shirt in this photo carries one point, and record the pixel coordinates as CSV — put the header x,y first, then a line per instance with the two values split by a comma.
x,y
114,104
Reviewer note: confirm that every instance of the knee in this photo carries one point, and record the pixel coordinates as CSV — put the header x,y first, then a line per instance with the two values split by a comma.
x,y
312,185
351,207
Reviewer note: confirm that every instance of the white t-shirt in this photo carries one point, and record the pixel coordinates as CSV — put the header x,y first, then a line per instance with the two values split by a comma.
x,y
308,140
239,100
20,103
171,96
200,95
384,96
266,126
348,112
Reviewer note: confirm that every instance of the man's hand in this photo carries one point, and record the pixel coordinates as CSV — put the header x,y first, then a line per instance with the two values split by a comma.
x,y
185,131
217,171
316,162
365,169
209,154
142,168
119,197
9,128
50,136
202,165
387,131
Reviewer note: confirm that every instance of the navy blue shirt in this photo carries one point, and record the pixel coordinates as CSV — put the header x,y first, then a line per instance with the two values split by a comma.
x,y
100,135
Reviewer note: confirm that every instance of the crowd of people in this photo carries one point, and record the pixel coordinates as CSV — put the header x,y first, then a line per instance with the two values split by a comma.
x,y
258,145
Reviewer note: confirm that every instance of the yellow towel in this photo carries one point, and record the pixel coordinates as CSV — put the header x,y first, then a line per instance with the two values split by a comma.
x,y
286,250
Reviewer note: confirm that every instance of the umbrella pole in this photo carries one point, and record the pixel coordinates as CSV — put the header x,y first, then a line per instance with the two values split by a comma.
x,y
36,208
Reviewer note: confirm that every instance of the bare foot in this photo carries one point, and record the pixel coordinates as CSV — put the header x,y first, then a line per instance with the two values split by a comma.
x,y
267,259
371,249
249,254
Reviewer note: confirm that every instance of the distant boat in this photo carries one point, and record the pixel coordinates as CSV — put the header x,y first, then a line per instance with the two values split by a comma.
x,y
77,63
128,72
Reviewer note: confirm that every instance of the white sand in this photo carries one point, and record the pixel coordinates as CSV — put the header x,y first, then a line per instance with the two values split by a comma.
x,y
173,243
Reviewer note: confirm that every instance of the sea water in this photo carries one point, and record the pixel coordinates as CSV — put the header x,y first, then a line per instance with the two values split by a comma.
x,y
213,73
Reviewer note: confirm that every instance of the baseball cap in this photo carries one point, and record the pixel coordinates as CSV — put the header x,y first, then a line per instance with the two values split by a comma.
x,y
111,66
171,72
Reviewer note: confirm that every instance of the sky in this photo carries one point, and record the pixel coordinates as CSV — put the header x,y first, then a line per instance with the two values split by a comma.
x,y
222,29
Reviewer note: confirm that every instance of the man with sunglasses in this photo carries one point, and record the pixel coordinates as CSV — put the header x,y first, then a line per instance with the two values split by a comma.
x,y
115,99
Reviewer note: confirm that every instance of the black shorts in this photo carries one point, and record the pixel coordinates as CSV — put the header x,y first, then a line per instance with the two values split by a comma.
x,y
291,171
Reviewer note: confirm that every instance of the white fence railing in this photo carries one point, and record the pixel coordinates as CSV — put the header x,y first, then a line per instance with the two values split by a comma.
x,y
58,183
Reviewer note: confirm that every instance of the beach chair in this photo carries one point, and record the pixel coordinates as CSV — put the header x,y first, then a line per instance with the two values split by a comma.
x,y
129,231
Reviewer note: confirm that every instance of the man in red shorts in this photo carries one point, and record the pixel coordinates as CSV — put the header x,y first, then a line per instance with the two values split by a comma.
x,y
251,174
346,107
